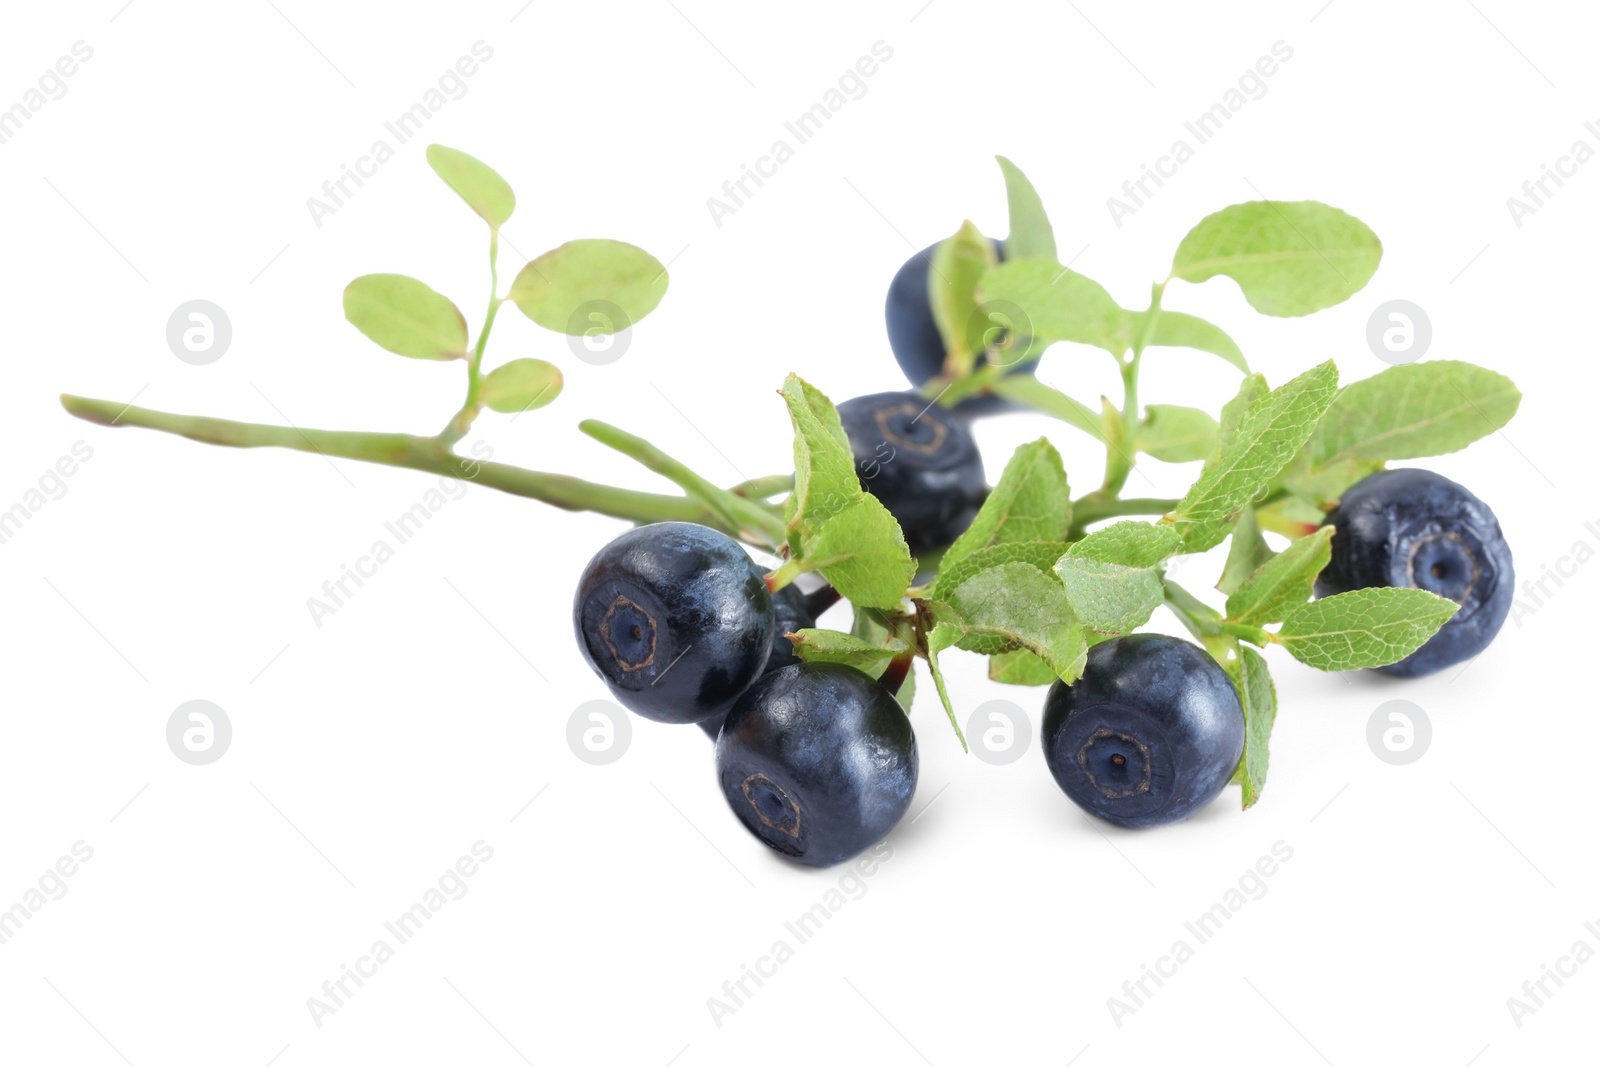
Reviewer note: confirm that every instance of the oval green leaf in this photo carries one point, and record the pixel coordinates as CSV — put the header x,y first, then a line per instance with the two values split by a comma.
x,y
475,182
1289,257
521,385
1031,236
406,317
590,285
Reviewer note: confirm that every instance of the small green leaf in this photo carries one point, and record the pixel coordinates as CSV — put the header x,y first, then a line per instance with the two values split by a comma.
x,y
1030,503
1270,432
825,481
1176,434
1283,582
1364,627
475,182
1015,606
1174,329
1041,555
863,555
1029,391
941,637
1020,667
1259,698
406,317
1289,257
1246,552
1420,409
830,646
1060,304
521,385
958,264
1113,576
623,281
1031,236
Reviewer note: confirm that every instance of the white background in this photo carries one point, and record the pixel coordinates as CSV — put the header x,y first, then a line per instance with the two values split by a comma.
x,y
370,753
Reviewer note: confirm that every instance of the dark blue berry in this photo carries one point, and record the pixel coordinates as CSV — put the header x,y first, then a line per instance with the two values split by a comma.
x,y
914,335
791,613
676,619
1412,528
920,461
1149,735
818,761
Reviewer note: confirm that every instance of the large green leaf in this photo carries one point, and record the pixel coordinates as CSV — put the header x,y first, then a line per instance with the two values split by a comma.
x,y
1270,431
1060,304
475,182
406,317
1420,409
1031,236
1015,606
1113,576
1364,627
552,289
863,554
825,481
1283,582
1030,503
1289,257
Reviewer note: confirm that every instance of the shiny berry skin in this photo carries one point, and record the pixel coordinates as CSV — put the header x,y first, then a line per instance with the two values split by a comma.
x,y
676,619
1149,735
920,461
791,613
1413,528
914,335
818,761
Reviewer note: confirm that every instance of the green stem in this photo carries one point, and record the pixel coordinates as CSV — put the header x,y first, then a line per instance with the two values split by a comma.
x,y
1093,507
1201,620
765,488
462,420
757,524
408,451
1245,632
1119,462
